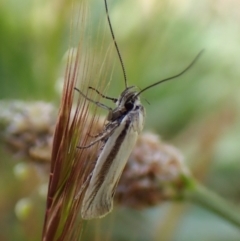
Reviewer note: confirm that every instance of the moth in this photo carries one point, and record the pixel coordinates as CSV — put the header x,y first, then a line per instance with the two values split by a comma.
x,y
119,136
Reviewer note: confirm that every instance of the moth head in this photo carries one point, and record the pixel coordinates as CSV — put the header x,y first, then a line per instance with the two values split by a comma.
x,y
127,101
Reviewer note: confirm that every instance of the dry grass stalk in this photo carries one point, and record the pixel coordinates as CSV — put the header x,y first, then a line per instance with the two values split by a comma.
x,y
70,166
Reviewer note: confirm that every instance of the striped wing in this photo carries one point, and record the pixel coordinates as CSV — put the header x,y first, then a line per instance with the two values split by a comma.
x,y
98,199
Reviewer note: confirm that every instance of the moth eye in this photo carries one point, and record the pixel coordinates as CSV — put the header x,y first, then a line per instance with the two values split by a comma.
x,y
128,105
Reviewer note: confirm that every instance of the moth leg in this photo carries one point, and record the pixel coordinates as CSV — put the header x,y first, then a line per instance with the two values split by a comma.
x,y
95,136
95,102
102,135
107,126
104,96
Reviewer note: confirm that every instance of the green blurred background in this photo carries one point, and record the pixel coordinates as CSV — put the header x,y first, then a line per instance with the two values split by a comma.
x,y
198,112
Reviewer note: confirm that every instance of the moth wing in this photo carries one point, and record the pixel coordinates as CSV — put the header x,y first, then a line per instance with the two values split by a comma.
x,y
98,199
138,118
100,207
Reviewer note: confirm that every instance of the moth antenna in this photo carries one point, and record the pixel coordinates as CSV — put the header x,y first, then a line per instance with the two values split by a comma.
x,y
115,43
173,77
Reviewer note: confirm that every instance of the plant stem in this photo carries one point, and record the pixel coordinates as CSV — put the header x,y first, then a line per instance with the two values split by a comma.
x,y
200,195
